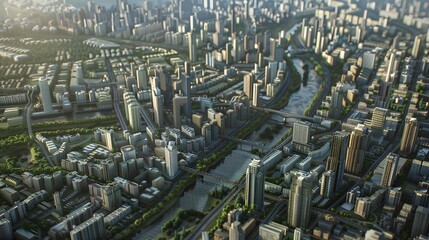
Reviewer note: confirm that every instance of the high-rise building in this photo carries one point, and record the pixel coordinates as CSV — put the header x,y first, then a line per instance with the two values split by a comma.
x,y
254,193
158,107
378,120
336,104
192,47
178,101
301,132
297,234
327,187
236,231
421,222
58,203
389,172
337,157
132,111
6,232
106,196
128,152
186,90
417,45
171,159
301,136
356,150
142,78
300,197
45,95
248,85
255,97
409,135
93,228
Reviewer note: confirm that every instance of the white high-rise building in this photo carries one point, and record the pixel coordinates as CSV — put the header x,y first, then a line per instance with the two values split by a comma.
x,y
142,79
300,197
158,107
45,95
171,159
254,192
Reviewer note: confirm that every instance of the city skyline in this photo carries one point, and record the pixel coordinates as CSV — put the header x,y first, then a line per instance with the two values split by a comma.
x,y
214,119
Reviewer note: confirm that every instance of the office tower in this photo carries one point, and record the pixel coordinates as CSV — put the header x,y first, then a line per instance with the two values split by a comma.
x,y
58,203
6,232
246,9
142,78
393,197
300,197
356,149
232,28
409,135
45,95
417,45
421,222
236,231
178,101
327,187
228,52
301,136
134,116
171,159
336,104
165,84
132,111
192,47
93,228
337,157
186,89
377,121
389,171
255,97
254,193
158,107
297,234
128,152
248,85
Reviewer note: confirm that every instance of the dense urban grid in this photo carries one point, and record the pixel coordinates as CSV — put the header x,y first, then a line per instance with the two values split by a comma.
x,y
214,119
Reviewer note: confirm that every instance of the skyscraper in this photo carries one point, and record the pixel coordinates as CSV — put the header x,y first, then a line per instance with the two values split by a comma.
x,y
389,172
255,97
409,135
132,111
178,101
45,95
236,231
301,136
337,157
300,197
336,104
192,47
421,222
327,187
377,121
418,41
142,79
248,85
171,159
58,203
158,107
255,184
356,149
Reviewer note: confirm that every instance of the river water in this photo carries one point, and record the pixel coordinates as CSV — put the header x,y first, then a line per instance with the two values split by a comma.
x,y
235,164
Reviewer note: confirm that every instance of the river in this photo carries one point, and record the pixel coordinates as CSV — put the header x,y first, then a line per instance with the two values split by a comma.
x,y
235,164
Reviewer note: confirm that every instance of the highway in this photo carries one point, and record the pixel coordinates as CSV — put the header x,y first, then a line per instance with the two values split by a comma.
x,y
115,94
27,112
